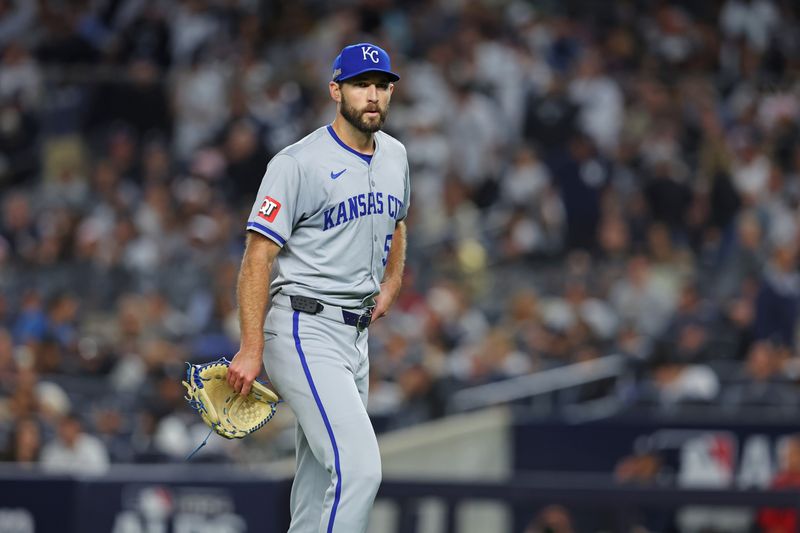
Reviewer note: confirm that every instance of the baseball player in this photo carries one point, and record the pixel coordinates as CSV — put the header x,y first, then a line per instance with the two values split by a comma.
x,y
329,214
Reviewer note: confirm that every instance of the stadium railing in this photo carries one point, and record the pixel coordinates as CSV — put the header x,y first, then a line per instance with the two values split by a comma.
x,y
538,384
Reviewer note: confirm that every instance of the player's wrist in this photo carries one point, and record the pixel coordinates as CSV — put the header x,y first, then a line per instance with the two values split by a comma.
x,y
392,283
252,349
391,288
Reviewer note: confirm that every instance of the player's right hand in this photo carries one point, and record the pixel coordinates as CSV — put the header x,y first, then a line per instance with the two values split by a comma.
x,y
245,368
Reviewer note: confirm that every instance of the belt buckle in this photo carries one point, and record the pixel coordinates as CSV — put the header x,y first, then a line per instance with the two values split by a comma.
x,y
363,320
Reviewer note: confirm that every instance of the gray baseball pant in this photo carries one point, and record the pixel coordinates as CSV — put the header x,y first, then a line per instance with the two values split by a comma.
x,y
321,369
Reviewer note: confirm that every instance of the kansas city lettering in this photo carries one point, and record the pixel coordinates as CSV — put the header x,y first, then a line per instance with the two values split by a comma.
x,y
361,205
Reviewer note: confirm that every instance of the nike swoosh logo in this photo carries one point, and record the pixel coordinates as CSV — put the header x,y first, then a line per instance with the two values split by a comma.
x,y
335,175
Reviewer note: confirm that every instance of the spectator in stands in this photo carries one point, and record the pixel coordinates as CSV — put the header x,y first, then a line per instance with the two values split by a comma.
x,y
23,401
551,119
739,314
141,105
17,227
73,450
551,519
25,442
453,320
176,431
142,438
778,301
62,321
147,37
493,358
52,402
668,194
638,469
8,366
109,424
20,77
523,320
671,263
530,132
691,326
645,469
419,392
639,300
16,19
200,95
762,382
742,259
752,21
527,196
245,154
675,383
750,170
581,175
19,154
600,100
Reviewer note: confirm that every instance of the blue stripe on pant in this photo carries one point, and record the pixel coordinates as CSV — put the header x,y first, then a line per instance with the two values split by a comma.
x,y
296,333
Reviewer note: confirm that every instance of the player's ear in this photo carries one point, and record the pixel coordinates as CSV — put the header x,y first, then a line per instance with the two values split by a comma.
x,y
336,91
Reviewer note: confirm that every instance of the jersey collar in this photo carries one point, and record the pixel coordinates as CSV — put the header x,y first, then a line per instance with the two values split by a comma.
x,y
364,157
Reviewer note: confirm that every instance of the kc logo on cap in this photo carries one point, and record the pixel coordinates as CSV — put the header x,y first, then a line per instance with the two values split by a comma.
x,y
372,53
360,58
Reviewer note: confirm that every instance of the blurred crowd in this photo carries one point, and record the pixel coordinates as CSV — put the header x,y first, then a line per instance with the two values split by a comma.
x,y
589,178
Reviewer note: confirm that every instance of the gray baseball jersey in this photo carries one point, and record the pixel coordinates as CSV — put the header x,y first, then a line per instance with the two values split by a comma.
x,y
334,213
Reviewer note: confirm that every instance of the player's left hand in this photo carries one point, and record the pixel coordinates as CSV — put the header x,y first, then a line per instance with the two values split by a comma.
x,y
381,308
384,301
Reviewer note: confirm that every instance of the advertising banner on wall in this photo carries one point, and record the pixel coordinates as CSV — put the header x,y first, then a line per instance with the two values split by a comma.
x,y
120,504
28,506
694,454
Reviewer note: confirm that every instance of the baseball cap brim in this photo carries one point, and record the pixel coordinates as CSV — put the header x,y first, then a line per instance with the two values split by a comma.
x,y
393,77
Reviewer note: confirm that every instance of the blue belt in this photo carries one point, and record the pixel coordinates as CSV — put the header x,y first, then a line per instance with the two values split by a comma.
x,y
360,322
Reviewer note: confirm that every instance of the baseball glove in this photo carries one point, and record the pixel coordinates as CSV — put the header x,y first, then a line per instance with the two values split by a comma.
x,y
229,414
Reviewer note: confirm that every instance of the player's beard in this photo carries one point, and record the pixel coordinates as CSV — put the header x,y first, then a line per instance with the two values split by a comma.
x,y
358,121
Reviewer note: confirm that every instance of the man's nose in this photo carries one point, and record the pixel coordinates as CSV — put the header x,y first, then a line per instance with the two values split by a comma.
x,y
372,93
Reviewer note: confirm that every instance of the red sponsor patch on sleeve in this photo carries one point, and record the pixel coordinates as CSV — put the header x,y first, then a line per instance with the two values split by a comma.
x,y
269,209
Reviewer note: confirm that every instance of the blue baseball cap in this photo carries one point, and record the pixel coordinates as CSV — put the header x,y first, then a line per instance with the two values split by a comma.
x,y
360,58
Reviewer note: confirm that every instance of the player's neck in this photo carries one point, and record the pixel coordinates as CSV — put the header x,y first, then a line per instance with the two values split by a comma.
x,y
359,141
